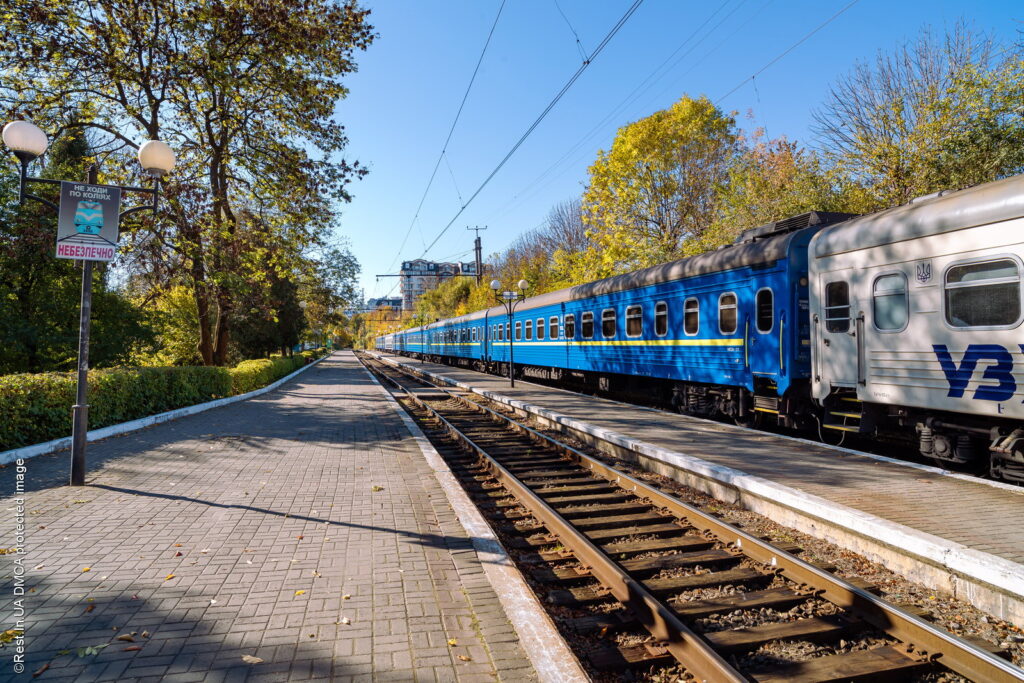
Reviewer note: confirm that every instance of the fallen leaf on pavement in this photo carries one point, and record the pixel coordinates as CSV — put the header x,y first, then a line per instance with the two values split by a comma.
x,y
376,488
131,648
249,659
452,642
346,621
126,638
177,554
145,634
86,569
346,596
465,658
89,609
39,672
299,592
168,577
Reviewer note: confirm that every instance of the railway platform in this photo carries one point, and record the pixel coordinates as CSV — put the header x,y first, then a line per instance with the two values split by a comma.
x,y
948,531
300,535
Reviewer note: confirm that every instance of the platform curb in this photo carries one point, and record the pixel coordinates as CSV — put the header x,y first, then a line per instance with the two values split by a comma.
x,y
47,447
1003,576
553,661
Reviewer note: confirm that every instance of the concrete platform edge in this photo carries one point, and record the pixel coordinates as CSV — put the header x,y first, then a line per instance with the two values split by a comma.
x,y
47,447
987,581
553,661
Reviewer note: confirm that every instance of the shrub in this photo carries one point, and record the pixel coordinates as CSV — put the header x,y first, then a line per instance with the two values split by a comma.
x,y
37,407
253,374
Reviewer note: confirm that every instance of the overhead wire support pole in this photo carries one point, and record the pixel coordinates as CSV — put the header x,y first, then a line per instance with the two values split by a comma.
x,y
478,248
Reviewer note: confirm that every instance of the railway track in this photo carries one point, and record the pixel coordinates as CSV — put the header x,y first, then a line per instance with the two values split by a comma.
x,y
646,580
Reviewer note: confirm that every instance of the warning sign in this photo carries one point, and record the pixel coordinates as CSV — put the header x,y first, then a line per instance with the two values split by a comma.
x,y
87,224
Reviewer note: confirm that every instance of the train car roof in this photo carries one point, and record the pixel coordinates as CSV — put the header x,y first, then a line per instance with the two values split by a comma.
x,y
762,245
933,214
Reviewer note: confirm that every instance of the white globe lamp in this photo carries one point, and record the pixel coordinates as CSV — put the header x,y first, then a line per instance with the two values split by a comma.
x,y
25,139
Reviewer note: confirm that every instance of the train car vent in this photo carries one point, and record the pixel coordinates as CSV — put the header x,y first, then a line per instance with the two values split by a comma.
x,y
792,223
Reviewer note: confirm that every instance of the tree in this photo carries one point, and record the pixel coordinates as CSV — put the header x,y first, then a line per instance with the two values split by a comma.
x,y
654,190
244,90
770,180
938,113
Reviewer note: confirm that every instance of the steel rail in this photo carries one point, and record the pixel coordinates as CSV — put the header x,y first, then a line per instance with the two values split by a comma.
x,y
692,651
928,640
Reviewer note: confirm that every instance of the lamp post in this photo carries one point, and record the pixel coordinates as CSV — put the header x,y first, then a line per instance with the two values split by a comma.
x,y
509,300
28,142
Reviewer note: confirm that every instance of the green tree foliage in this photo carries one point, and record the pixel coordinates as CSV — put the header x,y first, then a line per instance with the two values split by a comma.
x,y
937,113
769,180
654,191
40,294
176,324
244,90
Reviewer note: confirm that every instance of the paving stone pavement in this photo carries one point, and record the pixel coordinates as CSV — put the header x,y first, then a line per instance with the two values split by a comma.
x,y
255,529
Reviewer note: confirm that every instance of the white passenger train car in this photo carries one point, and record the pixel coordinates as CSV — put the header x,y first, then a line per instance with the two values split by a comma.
x,y
916,322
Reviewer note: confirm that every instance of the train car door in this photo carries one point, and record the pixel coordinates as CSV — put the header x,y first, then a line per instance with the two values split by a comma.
x,y
763,332
838,330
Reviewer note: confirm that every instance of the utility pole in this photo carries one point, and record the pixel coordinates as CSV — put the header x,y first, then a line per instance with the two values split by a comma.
x,y
478,248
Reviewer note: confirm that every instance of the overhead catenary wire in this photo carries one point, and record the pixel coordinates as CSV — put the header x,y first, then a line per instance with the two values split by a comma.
x,y
788,50
565,88
631,99
645,85
448,138
579,44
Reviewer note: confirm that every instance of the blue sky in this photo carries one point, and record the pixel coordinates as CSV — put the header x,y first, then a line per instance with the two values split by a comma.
x,y
410,83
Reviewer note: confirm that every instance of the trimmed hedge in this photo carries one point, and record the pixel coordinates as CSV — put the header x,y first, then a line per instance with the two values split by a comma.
x,y
37,407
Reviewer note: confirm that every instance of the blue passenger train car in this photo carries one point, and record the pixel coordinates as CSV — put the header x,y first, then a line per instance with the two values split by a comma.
x,y
725,333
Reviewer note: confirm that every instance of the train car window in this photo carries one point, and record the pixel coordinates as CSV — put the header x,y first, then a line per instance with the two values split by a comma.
x,y
519,331
474,335
608,322
540,328
691,316
634,321
508,331
764,307
587,323
570,326
529,330
983,294
553,327
837,307
661,318
889,303
727,313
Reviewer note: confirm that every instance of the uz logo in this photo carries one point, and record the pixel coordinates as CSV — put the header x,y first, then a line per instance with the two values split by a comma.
x,y
999,371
